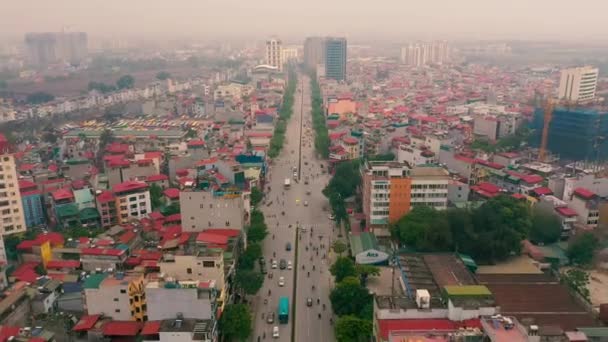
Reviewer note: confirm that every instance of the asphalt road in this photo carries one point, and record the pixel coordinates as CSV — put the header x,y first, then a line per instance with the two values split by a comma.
x,y
298,152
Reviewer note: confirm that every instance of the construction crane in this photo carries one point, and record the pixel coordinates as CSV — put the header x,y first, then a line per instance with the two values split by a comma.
x,y
548,116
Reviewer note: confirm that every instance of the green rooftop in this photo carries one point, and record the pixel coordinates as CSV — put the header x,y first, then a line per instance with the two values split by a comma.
x,y
467,290
68,210
76,161
94,280
362,242
89,214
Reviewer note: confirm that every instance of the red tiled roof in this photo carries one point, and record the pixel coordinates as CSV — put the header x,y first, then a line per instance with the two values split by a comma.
x,y
156,215
212,238
129,186
151,328
489,164
144,161
259,134
464,159
57,264
133,261
172,193
225,232
532,179
350,140
182,172
543,190
26,167
126,237
565,211
388,325
25,184
101,251
121,328
157,178
5,330
62,194
196,143
26,272
105,197
153,155
518,196
119,163
173,218
117,148
584,193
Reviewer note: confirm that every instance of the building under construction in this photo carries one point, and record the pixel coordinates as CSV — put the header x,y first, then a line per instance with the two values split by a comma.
x,y
576,133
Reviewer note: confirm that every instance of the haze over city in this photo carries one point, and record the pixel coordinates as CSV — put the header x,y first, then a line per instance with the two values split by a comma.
x,y
432,19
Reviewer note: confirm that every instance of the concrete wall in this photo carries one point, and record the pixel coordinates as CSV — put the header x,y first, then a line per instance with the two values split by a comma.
x,y
167,303
108,300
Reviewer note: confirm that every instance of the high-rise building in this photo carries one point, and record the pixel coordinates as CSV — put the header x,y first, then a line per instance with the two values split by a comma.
x,y
54,47
422,53
274,53
314,52
335,58
578,84
11,211
391,189
290,54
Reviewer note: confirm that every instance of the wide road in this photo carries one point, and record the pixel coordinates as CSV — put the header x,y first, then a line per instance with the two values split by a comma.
x,y
306,211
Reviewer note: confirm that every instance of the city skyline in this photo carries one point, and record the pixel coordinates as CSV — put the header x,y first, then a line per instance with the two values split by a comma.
x,y
472,19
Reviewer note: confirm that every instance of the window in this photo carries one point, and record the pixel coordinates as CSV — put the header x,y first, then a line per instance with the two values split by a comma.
x,y
189,270
227,223
117,310
116,299
208,264
123,291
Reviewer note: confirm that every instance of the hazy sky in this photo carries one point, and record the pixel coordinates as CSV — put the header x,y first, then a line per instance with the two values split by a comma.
x,y
474,19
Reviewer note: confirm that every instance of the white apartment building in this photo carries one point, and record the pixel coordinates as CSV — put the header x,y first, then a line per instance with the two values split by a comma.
x,y
423,53
133,200
274,53
430,187
290,54
578,84
11,211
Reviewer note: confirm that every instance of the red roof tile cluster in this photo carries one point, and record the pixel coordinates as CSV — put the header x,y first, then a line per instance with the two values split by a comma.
x,y
151,328
26,272
196,143
211,238
171,193
388,325
116,148
122,328
105,197
129,186
56,239
487,190
86,322
584,193
63,194
542,191
157,178
565,211
126,237
59,264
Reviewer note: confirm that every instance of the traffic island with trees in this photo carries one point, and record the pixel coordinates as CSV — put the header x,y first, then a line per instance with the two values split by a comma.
x,y
278,137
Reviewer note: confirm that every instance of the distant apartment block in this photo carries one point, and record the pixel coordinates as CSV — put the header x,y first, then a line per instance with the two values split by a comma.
x,y
335,58
54,47
274,54
314,52
578,84
11,206
422,53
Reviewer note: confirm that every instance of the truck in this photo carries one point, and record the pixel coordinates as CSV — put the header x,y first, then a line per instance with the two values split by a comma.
x,y
287,183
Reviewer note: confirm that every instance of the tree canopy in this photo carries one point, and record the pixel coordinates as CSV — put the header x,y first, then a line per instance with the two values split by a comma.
x,y
156,196
489,233
350,298
249,281
343,267
577,280
39,98
581,248
256,196
350,328
546,226
339,247
258,230
125,82
235,322
249,256
322,141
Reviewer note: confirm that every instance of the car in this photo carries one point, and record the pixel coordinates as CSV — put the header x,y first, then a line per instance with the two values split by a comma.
x,y
275,332
331,217
281,281
288,246
308,301
289,266
306,181
308,192
283,264
270,318
306,203
274,264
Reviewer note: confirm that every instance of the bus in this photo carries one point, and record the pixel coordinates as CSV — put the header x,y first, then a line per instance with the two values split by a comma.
x,y
287,183
283,310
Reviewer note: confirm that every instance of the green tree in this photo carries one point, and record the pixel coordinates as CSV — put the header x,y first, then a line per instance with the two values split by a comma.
x,y
364,271
163,75
235,323
125,82
581,248
156,196
249,281
425,229
343,267
191,133
256,196
383,157
249,256
349,297
257,232
101,87
350,328
577,280
39,98
171,209
546,226
339,247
